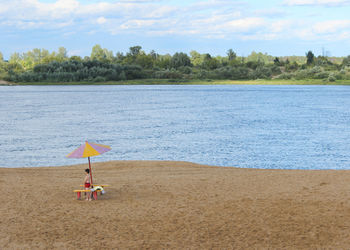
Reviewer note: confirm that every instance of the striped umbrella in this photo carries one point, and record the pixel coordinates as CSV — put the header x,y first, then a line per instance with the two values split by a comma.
x,y
89,149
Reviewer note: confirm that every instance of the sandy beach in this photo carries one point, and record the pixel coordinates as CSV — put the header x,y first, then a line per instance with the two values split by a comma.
x,y
174,205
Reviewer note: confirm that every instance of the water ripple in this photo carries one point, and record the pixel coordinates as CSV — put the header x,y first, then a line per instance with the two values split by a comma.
x,y
281,127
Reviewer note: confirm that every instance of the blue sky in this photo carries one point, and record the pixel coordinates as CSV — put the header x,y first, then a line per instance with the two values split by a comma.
x,y
285,27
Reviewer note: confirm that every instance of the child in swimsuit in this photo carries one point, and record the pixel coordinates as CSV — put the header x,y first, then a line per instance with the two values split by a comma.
x,y
87,184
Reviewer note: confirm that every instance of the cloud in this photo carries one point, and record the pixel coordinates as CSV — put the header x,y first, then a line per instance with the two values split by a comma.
x,y
137,23
326,31
271,13
330,27
101,20
245,24
260,36
316,2
219,19
280,26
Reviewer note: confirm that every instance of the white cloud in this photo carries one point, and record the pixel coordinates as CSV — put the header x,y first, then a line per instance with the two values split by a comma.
x,y
101,20
136,24
220,19
260,36
245,24
316,2
327,31
332,26
280,26
271,13
63,7
67,34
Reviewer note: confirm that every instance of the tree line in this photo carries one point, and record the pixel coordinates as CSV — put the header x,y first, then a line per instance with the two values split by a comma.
x,y
39,65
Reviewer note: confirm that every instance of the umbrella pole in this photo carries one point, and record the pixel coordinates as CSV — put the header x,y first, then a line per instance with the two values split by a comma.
x,y
90,173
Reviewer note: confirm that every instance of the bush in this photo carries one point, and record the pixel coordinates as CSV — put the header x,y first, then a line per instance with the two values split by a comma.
x,y
224,73
315,70
285,76
167,74
99,79
303,74
321,75
260,73
122,76
338,76
72,70
240,73
185,69
276,70
332,78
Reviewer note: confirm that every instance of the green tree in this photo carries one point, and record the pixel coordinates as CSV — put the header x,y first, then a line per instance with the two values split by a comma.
x,y
132,55
231,55
153,54
180,59
134,51
209,62
310,58
15,63
196,58
2,67
100,54
163,61
346,61
119,57
145,61
15,58
276,61
62,54
322,61
97,53
76,58
260,57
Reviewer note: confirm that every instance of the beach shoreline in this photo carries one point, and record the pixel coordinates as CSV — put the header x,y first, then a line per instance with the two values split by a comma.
x,y
175,205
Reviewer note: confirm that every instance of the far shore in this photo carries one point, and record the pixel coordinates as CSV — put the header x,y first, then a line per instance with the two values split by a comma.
x,y
175,205
2,82
191,82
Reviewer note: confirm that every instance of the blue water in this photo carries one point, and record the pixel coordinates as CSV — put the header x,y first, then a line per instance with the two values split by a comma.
x,y
280,127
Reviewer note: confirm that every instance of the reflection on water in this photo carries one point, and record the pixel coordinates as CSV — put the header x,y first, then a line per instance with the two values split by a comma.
x,y
295,127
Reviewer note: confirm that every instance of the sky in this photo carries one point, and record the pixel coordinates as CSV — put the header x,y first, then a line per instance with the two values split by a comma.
x,y
279,28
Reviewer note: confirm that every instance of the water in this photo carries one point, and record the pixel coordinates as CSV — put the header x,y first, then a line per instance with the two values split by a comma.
x,y
282,127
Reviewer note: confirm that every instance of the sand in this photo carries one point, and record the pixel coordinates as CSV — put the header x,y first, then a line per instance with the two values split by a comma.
x,y
174,205
2,82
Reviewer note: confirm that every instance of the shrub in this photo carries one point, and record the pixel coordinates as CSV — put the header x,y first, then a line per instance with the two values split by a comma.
x,y
321,75
285,76
99,79
167,74
331,78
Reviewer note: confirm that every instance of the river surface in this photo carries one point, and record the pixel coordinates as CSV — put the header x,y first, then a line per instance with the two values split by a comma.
x,y
249,126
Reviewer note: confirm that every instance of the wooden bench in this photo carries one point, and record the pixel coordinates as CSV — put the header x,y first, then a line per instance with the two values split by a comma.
x,y
79,191
94,193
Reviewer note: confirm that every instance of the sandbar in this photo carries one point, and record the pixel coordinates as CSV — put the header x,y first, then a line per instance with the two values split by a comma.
x,y
174,205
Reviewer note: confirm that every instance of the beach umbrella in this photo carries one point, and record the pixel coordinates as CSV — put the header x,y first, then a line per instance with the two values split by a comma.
x,y
89,149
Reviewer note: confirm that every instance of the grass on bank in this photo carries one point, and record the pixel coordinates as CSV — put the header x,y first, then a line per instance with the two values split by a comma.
x,y
198,82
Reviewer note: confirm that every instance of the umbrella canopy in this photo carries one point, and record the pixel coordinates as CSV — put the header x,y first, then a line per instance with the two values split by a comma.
x,y
89,149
